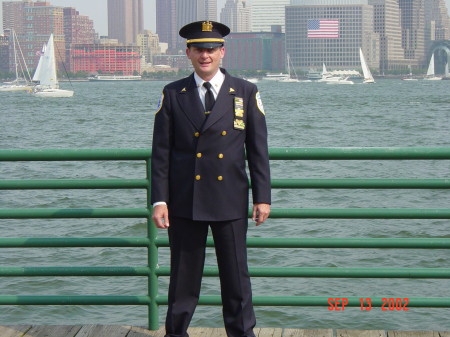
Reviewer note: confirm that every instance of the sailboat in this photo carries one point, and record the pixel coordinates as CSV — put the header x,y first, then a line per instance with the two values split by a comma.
x,y
290,78
22,82
410,76
368,78
46,74
430,72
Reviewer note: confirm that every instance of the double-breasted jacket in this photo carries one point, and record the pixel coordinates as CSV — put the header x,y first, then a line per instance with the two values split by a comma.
x,y
199,162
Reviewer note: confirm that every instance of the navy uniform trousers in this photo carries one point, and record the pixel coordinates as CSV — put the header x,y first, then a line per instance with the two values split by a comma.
x,y
187,244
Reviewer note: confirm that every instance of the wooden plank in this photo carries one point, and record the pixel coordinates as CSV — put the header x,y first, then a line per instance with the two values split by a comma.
x,y
13,330
95,330
418,333
360,333
201,332
141,332
268,332
308,333
53,331
444,333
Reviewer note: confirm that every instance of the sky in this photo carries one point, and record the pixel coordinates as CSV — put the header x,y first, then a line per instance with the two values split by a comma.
x,y
97,11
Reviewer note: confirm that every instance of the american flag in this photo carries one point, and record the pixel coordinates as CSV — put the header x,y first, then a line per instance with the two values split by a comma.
x,y
323,29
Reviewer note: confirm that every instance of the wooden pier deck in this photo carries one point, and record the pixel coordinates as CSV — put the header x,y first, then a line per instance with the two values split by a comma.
x,y
131,331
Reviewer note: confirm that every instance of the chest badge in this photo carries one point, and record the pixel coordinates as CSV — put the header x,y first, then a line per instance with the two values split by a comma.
x,y
238,122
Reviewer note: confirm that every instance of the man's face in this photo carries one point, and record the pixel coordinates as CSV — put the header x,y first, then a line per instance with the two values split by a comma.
x,y
205,61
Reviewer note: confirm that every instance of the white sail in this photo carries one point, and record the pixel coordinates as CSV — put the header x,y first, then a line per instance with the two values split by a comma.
x,y
430,71
46,74
368,78
39,66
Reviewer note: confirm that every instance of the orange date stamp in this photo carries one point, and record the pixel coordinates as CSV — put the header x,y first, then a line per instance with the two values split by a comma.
x,y
388,304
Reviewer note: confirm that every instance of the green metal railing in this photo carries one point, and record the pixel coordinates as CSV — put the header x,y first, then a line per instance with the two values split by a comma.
x,y
152,271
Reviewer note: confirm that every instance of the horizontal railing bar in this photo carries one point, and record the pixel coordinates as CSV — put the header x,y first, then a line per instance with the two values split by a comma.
x,y
314,272
278,213
362,183
307,301
276,183
73,213
73,271
365,243
318,272
73,184
322,301
73,242
411,243
337,153
356,153
73,154
75,300
360,213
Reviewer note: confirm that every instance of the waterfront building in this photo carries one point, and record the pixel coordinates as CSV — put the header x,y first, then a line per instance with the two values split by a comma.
x,y
236,14
255,51
13,15
33,23
437,22
4,53
267,13
78,29
125,20
331,34
105,59
149,45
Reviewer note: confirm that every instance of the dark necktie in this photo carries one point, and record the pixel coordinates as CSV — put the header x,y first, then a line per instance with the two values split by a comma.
x,y
209,98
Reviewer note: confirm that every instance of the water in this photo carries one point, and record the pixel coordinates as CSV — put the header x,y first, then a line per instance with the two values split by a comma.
x,y
391,113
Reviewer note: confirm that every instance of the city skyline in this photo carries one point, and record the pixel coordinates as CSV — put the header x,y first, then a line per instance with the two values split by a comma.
x,y
97,11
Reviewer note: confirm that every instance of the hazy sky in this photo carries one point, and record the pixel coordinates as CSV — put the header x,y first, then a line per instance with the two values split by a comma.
x,y
97,11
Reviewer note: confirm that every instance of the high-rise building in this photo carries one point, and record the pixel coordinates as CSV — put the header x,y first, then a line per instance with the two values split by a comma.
x,y
33,22
331,34
125,20
4,53
268,13
13,15
255,51
387,24
437,23
236,14
166,22
149,45
412,14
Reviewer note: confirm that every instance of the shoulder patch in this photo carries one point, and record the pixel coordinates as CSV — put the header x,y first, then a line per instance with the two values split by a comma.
x,y
259,103
160,103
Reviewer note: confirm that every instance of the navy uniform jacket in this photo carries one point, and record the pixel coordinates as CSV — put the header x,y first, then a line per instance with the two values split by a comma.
x,y
198,166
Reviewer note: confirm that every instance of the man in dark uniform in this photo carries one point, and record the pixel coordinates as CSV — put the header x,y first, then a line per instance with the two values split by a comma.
x,y
205,127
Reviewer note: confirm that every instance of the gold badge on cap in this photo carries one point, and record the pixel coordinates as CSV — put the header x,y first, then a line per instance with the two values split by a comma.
x,y
207,26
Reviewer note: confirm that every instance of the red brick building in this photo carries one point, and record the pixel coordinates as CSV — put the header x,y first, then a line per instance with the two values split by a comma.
x,y
105,59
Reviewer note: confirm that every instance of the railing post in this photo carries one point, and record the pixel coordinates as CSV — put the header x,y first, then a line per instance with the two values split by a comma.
x,y
152,251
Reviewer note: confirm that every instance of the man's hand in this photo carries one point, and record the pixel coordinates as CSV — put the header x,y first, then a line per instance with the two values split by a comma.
x,y
260,213
161,216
